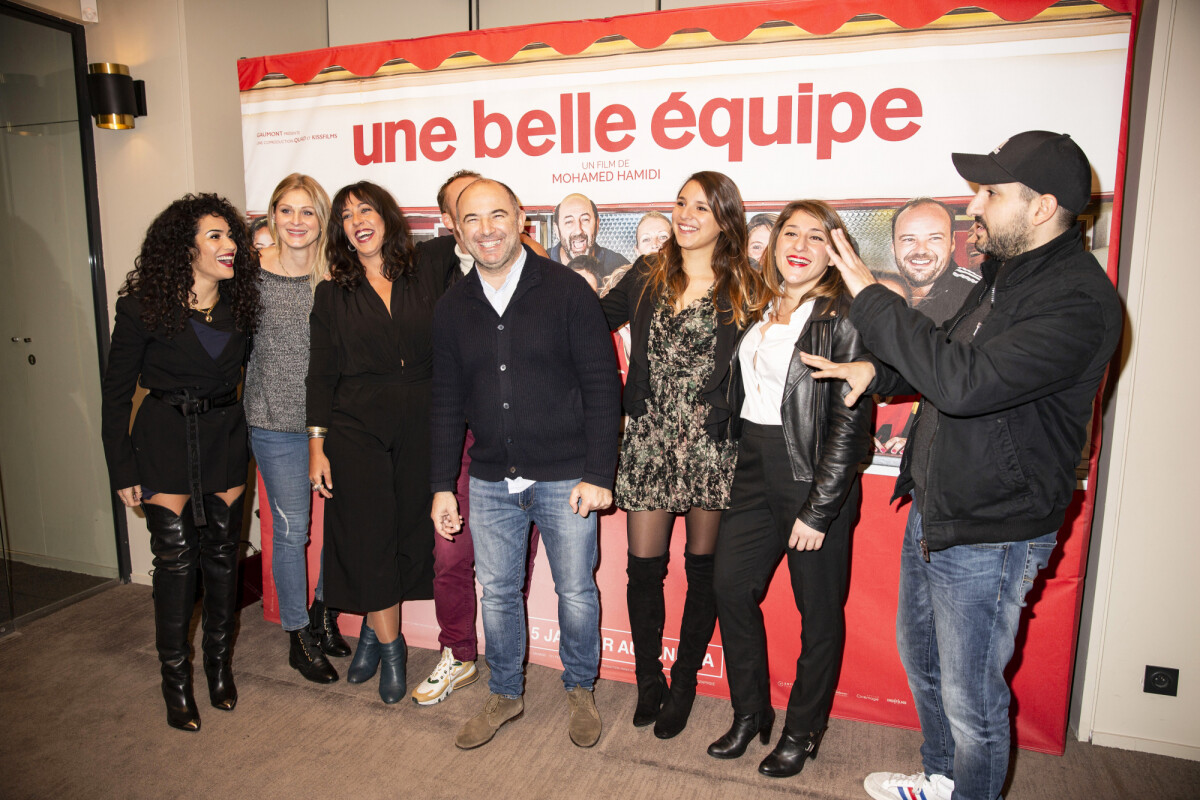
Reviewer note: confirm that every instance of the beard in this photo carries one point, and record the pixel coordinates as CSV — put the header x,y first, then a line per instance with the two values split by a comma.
x,y
1003,243
916,277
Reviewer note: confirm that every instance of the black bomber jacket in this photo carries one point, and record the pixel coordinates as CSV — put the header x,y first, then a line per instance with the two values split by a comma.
x,y
1013,402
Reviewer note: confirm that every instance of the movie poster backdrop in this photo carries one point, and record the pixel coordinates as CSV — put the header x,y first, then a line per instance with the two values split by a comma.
x,y
791,103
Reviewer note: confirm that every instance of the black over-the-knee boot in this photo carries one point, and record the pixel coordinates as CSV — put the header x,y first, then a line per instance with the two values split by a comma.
x,y
644,599
695,632
218,561
176,554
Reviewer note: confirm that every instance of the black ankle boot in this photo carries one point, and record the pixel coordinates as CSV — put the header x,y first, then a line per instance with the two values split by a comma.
x,y
745,727
644,599
218,563
323,621
366,657
176,553
787,759
305,655
695,632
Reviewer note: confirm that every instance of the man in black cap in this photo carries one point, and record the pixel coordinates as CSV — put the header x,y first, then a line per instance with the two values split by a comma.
x,y
1008,384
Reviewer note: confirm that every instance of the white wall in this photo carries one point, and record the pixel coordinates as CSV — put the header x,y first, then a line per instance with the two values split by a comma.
x,y
1143,588
1142,595
186,51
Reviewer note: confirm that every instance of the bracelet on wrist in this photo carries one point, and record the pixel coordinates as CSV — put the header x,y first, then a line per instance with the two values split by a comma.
x,y
317,432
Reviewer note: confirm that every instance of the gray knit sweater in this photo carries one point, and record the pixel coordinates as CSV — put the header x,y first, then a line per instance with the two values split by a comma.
x,y
274,393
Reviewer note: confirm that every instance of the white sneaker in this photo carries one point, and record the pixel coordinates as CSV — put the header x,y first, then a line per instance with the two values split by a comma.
x,y
448,675
894,786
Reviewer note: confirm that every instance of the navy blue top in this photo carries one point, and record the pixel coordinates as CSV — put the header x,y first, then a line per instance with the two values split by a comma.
x,y
538,385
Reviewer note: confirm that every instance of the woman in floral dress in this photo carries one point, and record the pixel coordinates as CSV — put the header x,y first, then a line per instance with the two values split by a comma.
x,y
685,305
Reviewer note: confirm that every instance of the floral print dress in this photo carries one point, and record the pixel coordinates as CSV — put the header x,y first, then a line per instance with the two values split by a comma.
x,y
668,460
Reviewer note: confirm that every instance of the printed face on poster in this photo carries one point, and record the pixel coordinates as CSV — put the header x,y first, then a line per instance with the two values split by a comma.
x,y
866,123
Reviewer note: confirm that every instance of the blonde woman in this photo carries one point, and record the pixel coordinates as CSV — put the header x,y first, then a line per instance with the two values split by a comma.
x,y
290,271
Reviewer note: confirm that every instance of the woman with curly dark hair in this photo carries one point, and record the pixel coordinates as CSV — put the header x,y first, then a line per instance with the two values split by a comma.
x,y
368,403
685,305
184,318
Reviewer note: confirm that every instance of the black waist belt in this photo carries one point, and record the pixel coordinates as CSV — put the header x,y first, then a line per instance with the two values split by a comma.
x,y
191,408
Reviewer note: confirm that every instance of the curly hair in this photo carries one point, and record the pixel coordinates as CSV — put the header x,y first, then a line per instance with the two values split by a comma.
x,y
162,276
738,288
344,266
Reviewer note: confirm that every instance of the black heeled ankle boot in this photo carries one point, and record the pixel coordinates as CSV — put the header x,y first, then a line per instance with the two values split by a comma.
x,y
366,657
745,727
323,621
305,656
176,554
787,759
218,563
644,599
695,632
393,660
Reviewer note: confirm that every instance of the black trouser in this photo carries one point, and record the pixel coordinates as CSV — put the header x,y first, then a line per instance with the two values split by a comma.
x,y
754,535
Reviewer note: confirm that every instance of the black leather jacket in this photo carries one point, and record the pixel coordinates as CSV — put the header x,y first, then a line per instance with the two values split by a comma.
x,y
826,441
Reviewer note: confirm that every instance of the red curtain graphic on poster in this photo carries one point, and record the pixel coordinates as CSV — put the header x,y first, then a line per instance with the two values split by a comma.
x,y
859,103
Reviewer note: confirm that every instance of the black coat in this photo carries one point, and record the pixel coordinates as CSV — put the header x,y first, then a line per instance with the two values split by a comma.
x,y
155,454
1013,401
626,302
825,440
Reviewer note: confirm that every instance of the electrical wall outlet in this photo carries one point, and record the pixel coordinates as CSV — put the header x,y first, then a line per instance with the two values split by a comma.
x,y
1161,680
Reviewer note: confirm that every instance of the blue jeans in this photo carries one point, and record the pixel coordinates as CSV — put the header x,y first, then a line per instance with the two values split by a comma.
x,y
283,461
500,526
955,627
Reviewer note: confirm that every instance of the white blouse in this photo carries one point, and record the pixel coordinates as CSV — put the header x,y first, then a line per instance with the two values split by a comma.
x,y
764,357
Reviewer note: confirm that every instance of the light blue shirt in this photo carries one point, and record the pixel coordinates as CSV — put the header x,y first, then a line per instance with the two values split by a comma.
x,y
499,298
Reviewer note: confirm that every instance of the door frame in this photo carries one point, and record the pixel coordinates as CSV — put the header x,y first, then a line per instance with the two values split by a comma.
x,y
92,215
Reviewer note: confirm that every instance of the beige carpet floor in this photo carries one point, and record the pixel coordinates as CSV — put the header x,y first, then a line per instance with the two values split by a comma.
x,y
81,716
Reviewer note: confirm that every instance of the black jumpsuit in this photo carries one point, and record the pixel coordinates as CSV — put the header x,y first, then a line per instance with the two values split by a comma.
x,y
369,383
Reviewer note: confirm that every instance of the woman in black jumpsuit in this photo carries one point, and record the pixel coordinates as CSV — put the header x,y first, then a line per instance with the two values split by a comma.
x,y
368,416
183,322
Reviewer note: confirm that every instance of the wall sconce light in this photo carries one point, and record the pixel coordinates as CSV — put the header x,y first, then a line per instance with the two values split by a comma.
x,y
116,98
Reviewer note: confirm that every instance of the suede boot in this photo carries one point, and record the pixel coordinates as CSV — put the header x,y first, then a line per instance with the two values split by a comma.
x,y
366,657
647,612
324,623
218,562
393,660
695,632
176,555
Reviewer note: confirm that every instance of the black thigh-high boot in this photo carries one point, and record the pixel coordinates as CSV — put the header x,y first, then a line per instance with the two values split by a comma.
x,y
644,599
218,561
176,554
695,632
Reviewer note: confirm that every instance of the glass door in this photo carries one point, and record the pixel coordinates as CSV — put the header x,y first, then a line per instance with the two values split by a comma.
x,y
55,507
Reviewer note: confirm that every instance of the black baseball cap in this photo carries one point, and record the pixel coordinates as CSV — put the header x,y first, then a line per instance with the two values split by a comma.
x,y
1048,163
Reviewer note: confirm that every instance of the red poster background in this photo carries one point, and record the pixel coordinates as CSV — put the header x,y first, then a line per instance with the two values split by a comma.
x,y
873,687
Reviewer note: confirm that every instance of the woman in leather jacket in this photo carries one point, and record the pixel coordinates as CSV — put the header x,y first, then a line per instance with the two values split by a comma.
x,y
795,491
184,320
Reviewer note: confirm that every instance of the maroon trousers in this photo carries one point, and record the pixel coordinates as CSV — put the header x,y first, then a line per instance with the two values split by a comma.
x,y
454,575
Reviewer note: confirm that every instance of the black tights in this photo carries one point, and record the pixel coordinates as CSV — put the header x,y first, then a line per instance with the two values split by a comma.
x,y
650,531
